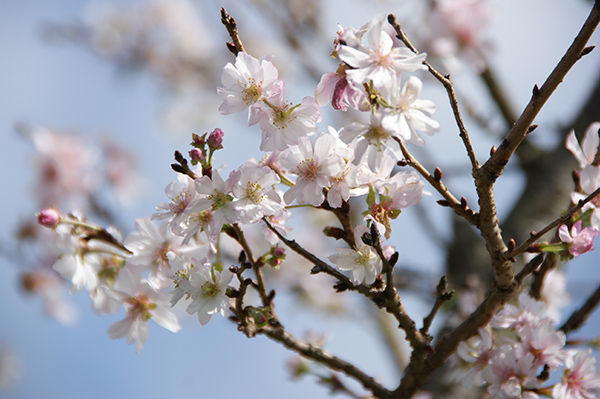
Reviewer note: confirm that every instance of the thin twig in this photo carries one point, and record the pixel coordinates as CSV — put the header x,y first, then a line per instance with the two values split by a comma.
x,y
319,265
535,236
231,27
460,207
498,160
309,351
447,83
442,296
580,315
260,281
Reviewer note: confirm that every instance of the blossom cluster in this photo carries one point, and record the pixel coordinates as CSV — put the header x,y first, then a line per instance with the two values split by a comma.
x,y
512,357
174,255
174,258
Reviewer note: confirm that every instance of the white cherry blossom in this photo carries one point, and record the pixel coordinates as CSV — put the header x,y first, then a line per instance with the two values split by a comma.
x,y
362,260
142,302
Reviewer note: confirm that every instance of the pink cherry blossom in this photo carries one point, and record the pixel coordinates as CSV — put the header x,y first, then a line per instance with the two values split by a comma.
x,y
580,379
250,81
315,167
381,60
579,240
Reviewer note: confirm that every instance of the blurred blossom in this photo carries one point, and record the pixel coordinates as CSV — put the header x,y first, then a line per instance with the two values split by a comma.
x,y
10,367
64,166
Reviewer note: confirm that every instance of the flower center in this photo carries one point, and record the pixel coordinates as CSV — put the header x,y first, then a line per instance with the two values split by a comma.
x,y
139,307
252,92
160,254
180,202
253,192
209,289
219,200
308,170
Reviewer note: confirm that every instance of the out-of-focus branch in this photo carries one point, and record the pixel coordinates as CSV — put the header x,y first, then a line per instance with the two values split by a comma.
x,y
580,315
309,351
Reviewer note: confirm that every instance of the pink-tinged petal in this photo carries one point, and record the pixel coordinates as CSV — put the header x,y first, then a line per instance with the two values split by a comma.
x,y
563,234
590,142
572,145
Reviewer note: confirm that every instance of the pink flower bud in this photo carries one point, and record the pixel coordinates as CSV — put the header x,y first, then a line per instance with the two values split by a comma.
x,y
196,155
215,139
48,217
278,252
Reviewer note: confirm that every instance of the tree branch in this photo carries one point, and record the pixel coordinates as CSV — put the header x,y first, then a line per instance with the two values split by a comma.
x,y
447,83
498,160
580,315
460,207
231,27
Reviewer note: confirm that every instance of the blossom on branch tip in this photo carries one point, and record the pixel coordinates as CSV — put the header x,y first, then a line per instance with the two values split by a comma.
x,y
381,60
250,81
362,260
405,114
579,240
48,217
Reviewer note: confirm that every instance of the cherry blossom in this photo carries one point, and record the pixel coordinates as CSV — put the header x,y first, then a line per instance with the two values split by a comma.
x,y
283,124
253,189
362,260
334,87
150,245
250,81
580,379
142,302
381,60
206,287
315,167
406,114
579,240
181,193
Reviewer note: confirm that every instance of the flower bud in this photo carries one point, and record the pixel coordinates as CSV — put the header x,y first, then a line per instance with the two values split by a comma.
x,y
196,155
48,217
215,139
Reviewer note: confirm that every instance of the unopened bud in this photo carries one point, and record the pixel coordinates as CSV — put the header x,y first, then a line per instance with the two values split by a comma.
x,y
215,139
196,155
48,217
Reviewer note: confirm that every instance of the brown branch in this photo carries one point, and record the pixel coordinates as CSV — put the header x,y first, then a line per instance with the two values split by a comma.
x,y
535,236
442,296
498,160
309,351
260,281
447,83
460,207
231,27
182,166
447,344
580,315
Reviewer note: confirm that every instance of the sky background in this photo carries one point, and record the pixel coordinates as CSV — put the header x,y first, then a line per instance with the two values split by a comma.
x,y
63,86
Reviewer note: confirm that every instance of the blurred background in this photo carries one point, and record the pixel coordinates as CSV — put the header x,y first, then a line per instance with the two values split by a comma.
x,y
140,76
